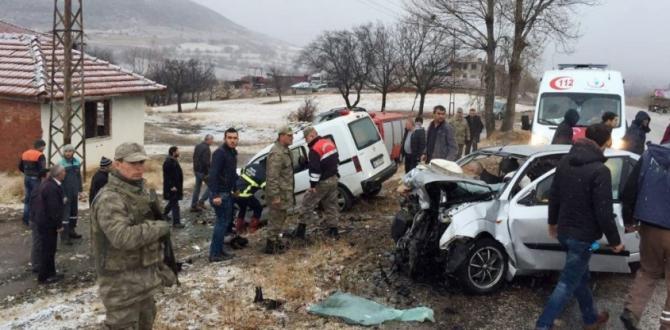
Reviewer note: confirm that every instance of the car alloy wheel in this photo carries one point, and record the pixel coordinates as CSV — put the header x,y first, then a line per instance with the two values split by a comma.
x,y
485,267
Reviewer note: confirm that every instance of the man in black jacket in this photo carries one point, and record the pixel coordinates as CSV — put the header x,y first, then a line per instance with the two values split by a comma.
x,y
202,156
413,142
36,251
476,127
563,134
50,206
580,211
100,178
173,185
222,179
636,135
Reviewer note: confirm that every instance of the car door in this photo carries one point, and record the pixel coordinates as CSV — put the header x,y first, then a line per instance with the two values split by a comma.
x,y
535,250
300,172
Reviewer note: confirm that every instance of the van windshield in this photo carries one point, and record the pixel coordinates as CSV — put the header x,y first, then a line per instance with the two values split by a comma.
x,y
591,107
364,132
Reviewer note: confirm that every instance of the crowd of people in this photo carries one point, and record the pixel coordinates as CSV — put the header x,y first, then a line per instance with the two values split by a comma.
x,y
127,242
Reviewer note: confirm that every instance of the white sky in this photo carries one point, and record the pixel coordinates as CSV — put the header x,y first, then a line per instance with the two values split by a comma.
x,y
632,36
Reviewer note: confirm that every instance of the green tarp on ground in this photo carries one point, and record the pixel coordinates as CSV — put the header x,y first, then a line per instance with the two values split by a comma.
x,y
360,311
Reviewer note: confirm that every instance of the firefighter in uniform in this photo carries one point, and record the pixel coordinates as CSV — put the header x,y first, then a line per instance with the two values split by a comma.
x,y
127,244
279,189
249,182
323,178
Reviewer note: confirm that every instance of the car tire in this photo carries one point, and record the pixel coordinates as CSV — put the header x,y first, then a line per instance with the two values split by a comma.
x,y
485,267
344,198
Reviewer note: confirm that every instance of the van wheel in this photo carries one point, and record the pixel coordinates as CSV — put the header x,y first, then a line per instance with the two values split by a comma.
x,y
484,269
344,198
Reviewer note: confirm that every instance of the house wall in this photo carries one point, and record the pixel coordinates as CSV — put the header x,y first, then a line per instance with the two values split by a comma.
x,y
19,128
127,125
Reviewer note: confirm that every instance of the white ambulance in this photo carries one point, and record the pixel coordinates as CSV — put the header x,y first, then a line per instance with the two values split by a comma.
x,y
591,89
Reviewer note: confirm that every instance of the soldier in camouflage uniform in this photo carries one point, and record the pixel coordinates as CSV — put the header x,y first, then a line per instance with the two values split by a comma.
x,y
461,131
279,188
127,244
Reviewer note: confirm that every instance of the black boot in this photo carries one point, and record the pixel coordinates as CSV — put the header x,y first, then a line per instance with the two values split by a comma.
x,y
269,247
300,231
73,234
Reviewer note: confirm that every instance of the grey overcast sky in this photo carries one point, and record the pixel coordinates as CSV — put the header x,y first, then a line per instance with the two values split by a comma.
x,y
632,36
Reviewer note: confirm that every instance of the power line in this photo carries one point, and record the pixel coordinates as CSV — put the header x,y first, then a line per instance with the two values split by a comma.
x,y
376,7
393,10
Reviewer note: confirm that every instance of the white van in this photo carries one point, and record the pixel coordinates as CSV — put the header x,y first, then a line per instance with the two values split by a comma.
x,y
364,161
591,89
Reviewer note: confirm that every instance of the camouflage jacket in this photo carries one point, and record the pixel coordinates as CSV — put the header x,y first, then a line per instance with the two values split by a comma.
x,y
461,130
126,244
280,182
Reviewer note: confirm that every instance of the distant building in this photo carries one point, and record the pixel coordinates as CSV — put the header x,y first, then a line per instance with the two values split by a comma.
x,y
113,111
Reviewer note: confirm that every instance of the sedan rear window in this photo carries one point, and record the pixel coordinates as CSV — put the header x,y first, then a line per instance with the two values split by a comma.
x,y
364,132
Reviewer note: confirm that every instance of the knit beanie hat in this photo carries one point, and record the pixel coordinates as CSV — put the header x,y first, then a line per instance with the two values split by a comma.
x,y
104,161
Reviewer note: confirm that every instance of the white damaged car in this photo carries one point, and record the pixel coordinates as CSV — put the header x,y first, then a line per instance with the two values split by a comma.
x,y
485,233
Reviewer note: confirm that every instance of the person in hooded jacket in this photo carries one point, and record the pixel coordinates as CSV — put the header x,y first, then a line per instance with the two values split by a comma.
x,y
100,178
563,133
580,212
636,135
645,209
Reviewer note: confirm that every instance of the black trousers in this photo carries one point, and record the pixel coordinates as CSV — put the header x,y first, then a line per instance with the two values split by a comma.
x,y
173,206
470,146
411,161
47,266
248,202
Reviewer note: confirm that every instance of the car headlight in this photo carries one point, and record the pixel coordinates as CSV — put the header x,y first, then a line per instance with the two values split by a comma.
x,y
617,144
537,139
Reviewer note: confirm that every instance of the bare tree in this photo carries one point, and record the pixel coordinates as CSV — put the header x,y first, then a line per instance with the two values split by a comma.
x,y
200,78
341,55
385,74
477,25
426,56
279,80
534,22
173,74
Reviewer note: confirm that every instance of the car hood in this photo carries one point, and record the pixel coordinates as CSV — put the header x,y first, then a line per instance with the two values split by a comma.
x,y
422,176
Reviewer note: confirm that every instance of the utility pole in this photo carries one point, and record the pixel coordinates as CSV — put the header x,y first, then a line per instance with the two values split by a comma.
x,y
452,95
66,122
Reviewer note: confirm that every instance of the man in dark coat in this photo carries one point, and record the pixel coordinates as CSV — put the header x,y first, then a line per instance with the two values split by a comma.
x,y
173,185
636,135
222,179
99,178
49,209
36,251
580,212
476,127
202,159
666,136
563,134
413,143
440,141
72,187
645,209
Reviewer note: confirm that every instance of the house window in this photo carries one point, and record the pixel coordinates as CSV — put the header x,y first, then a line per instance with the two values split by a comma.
x,y
98,118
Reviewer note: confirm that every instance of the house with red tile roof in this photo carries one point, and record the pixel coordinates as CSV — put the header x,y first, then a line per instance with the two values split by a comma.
x,y
114,98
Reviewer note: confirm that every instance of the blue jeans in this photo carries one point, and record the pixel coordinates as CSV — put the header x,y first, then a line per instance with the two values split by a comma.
x,y
199,180
574,281
224,217
29,183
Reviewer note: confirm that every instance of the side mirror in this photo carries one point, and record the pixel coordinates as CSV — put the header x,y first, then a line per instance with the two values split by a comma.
x,y
528,200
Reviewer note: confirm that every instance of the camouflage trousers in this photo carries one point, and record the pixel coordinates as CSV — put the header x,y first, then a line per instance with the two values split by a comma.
x,y
326,196
138,316
276,222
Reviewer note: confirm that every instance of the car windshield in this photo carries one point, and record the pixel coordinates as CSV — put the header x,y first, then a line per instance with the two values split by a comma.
x,y
590,107
496,169
364,132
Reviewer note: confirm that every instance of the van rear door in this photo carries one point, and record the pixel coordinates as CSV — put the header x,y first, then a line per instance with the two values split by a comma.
x,y
372,153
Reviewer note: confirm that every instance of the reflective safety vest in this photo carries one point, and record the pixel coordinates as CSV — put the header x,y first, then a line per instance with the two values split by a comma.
x,y
251,180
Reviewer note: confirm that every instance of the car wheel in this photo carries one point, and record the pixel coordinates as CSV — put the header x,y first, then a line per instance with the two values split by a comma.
x,y
344,198
484,269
